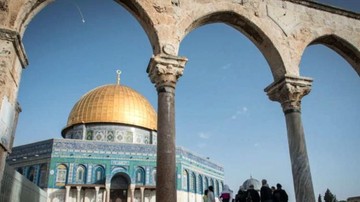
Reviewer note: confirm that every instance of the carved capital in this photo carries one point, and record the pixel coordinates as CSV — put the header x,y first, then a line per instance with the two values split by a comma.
x,y
165,70
289,91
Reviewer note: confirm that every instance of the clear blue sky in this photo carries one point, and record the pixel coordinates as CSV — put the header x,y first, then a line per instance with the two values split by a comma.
x,y
222,111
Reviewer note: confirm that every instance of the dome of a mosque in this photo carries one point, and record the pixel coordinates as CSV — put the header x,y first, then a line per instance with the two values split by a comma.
x,y
252,181
113,103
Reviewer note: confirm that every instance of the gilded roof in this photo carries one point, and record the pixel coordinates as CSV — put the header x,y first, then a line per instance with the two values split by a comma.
x,y
113,104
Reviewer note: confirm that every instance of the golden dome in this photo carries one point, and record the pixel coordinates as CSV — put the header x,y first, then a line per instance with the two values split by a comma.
x,y
113,104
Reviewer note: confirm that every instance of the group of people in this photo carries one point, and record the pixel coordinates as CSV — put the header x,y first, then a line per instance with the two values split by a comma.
x,y
226,194
267,194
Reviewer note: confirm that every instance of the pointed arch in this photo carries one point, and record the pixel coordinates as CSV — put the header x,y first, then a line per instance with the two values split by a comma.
x,y
185,181
81,174
143,17
61,174
201,184
43,175
99,174
140,175
251,31
341,46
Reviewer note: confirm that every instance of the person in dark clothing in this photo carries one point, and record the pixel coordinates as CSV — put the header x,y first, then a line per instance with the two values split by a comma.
x,y
265,192
252,194
279,194
241,195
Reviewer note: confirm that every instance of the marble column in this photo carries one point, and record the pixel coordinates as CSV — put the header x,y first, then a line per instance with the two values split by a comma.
x,y
132,192
164,71
12,61
289,91
78,196
142,194
107,190
67,193
97,193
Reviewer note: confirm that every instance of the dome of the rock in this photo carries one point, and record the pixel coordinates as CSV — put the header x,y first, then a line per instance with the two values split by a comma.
x,y
113,104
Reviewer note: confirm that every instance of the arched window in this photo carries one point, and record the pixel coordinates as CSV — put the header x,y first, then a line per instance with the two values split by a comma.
x,y
61,175
140,176
42,176
154,176
201,184
99,175
193,182
185,181
217,190
206,183
20,170
80,174
31,174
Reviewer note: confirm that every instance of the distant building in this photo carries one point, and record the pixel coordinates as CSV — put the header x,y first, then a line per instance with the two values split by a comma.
x,y
354,199
109,154
252,181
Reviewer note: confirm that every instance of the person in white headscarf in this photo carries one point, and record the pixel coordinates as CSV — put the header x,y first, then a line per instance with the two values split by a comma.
x,y
226,195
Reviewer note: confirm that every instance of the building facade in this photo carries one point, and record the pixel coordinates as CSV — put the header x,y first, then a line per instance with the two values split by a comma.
x,y
109,154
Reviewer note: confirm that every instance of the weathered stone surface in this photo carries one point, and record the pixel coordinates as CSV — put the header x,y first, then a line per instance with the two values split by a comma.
x,y
281,29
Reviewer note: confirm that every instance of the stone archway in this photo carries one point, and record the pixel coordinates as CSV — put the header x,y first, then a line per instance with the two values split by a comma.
x,y
119,187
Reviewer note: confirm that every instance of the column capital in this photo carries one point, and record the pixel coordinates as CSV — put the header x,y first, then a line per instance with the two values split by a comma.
x,y
289,91
165,70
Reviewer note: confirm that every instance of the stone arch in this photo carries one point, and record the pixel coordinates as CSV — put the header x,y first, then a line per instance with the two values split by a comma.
x,y
119,186
142,16
16,15
341,46
251,30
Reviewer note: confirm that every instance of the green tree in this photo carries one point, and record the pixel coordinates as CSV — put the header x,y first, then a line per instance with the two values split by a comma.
x,y
319,198
329,197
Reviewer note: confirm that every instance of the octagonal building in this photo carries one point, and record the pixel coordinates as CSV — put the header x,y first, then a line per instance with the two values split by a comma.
x,y
109,154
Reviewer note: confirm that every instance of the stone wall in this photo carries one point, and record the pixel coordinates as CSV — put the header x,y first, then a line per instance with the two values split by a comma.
x,y
16,188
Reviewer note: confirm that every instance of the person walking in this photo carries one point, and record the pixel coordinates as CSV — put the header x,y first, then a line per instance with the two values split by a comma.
x,y
226,194
210,194
205,196
265,192
279,194
241,195
252,195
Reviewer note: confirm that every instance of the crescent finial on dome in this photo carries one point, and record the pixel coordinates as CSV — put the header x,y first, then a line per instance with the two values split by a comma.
x,y
118,72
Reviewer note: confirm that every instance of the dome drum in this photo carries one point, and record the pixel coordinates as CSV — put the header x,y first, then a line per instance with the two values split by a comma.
x,y
110,132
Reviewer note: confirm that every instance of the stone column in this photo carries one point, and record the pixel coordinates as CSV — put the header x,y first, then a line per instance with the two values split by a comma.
x,y
289,91
12,60
164,71
78,196
142,194
97,193
67,193
107,191
132,192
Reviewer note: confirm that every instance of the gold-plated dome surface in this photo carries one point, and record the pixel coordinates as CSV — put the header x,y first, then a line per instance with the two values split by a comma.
x,y
114,104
